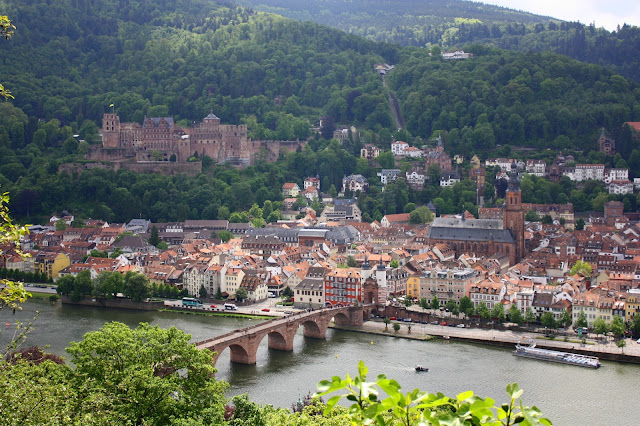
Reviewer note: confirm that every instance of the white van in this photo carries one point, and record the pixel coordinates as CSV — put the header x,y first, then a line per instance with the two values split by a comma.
x,y
230,307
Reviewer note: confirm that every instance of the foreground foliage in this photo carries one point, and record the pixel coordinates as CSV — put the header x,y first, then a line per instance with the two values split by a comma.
x,y
12,294
418,407
147,375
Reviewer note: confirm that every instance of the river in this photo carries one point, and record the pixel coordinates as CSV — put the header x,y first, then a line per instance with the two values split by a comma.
x,y
568,395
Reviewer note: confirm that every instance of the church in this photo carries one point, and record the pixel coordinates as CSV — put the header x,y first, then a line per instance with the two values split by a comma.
x,y
486,237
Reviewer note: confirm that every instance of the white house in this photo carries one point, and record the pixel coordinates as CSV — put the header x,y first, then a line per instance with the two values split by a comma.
x,y
449,178
620,187
399,148
536,167
612,175
388,175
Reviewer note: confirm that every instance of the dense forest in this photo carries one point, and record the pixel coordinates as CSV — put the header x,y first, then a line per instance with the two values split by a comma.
x,y
278,76
455,23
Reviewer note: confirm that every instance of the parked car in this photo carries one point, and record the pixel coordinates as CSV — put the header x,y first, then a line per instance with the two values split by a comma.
x,y
434,322
451,325
399,319
265,309
460,326
443,323
408,320
392,318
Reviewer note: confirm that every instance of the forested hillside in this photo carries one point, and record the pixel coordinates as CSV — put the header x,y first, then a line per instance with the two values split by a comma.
x,y
454,23
70,59
500,97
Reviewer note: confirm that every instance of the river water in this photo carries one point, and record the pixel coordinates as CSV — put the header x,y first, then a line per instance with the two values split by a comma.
x,y
568,395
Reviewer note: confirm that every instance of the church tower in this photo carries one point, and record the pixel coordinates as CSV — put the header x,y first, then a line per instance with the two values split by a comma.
x,y
514,213
110,130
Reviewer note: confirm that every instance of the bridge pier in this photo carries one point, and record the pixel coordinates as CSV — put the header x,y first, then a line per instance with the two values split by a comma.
x,y
282,340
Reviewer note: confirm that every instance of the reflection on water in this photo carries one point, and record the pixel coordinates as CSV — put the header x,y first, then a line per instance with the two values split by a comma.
x,y
568,395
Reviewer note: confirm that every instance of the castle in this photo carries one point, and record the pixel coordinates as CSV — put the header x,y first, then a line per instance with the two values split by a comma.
x,y
159,139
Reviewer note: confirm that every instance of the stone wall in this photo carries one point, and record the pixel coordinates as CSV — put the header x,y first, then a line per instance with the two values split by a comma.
x,y
117,303
161,167
164,168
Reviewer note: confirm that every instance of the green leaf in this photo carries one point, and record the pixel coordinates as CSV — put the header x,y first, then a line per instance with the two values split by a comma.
x,y
464,395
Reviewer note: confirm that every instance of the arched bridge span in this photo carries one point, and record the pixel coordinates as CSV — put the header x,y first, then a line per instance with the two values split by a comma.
x,y
244,343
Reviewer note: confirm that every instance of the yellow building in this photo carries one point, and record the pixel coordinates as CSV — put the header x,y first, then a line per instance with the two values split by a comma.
x,y
632,305
51,263
413,286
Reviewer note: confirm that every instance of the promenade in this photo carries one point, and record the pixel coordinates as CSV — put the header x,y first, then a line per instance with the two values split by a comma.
x,y
605,349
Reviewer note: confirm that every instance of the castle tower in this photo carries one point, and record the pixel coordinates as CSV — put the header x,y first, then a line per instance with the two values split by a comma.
x,y
110,130
514,213
381,278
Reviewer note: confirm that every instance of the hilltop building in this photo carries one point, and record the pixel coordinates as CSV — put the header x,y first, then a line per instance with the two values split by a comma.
x,y
160,139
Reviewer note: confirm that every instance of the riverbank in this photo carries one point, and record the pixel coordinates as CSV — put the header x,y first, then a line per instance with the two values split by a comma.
x,y
505,338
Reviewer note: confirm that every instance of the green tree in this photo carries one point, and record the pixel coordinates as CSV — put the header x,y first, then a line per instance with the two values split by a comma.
x,y
635,326
580,224
241,293
565,319
581,268
450,305
6,31
531,216
154,238
394,264
424,303
515,315
421,215
351,262
65,284
386,322
386,160
396,327
136,286
529,316
287,293
108,284
497,312
547,320
61,225
465,304
483,311
581,321
617,326
225,236
600,326
147,375
82,285
435,304
202,292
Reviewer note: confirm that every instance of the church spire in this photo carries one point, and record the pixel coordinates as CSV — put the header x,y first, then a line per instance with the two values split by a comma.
x,y
514,184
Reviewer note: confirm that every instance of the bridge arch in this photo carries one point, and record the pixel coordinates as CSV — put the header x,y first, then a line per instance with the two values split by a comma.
x,y
315,329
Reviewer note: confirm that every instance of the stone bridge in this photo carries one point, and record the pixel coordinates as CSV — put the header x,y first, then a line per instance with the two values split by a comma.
x,y
244,343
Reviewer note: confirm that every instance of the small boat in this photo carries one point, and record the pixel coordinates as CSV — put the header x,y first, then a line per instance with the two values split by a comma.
x,y
445,337
421,368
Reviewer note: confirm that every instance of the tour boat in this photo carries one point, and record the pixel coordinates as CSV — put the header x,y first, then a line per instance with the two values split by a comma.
x,y
421,368
556,356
